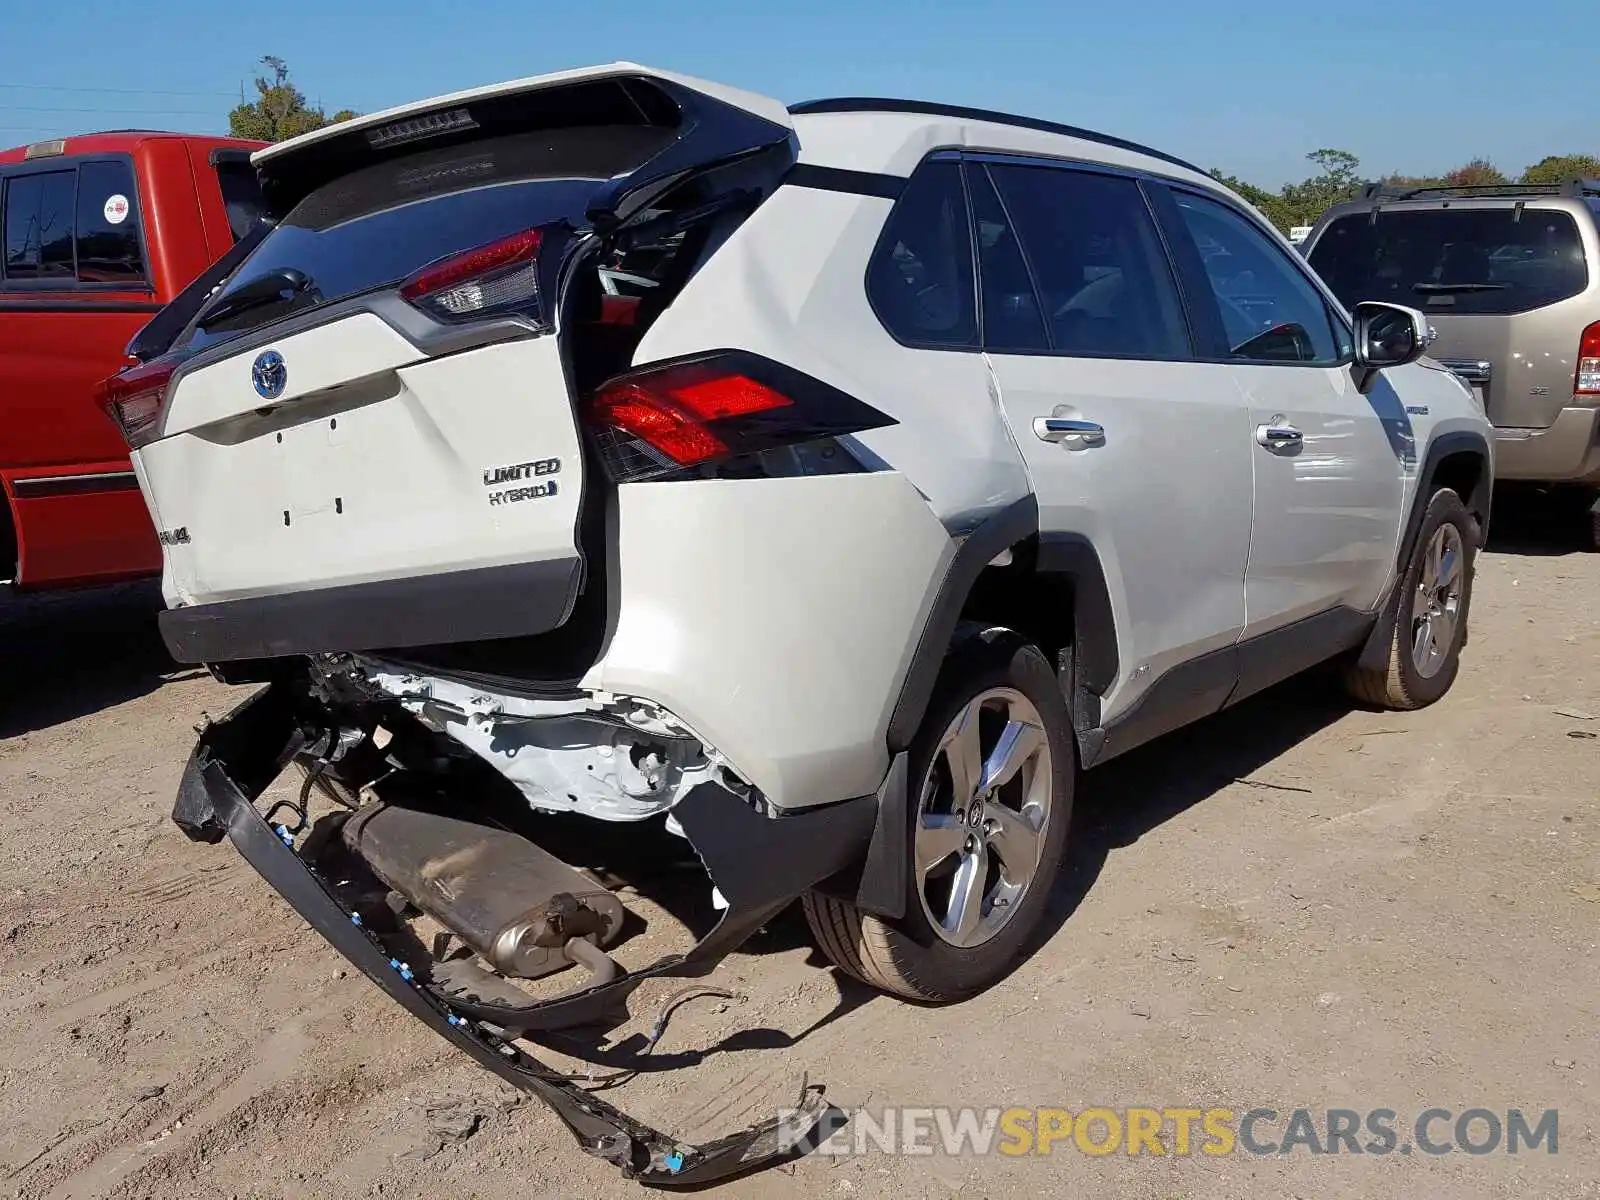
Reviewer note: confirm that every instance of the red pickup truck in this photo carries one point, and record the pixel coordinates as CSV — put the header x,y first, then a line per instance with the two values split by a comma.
x,y
99,232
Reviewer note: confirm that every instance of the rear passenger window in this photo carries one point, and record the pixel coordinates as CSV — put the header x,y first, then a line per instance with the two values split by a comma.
x,y
38,227
920,280
1101,275
108,225
1270,311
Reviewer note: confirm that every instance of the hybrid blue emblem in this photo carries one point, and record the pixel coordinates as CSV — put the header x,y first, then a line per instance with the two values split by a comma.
x,y
269,375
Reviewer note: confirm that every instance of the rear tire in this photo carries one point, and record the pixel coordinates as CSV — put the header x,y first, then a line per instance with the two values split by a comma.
x,y
1430,605
982,860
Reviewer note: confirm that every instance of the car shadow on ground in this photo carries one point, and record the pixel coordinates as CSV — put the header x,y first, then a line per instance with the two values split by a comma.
x,y
1115,806
1528,521
64,655
1119,803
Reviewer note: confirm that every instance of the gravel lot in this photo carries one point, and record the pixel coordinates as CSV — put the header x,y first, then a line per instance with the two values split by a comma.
x,y
1292,905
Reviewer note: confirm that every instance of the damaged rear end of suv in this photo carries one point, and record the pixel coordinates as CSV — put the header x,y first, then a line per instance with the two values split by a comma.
x,y
408,476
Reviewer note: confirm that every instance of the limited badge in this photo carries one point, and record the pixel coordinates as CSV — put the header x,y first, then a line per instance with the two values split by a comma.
x,y
116,209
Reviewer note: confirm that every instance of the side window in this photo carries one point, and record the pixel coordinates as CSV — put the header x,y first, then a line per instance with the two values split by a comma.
x,y
241,195
1102,277
1270,311
108,225
1013,319
38,227
920,279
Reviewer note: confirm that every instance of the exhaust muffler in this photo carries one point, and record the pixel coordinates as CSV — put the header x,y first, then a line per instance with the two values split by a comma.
x,y
524,911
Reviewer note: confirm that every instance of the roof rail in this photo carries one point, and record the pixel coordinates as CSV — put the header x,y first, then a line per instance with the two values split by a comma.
x,y
1575,188
867,104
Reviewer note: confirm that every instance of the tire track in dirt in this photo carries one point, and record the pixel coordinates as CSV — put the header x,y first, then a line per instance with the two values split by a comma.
x,y
274,1060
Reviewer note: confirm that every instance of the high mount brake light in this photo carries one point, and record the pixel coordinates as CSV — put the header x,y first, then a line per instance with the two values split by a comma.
x,y
500,276
677,416
133,400
1587,380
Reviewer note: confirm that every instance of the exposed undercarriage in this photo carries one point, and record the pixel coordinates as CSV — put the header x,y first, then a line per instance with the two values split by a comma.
x,y
610,757
422,866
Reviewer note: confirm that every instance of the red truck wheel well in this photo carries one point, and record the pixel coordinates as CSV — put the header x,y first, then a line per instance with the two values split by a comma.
x,y
8,544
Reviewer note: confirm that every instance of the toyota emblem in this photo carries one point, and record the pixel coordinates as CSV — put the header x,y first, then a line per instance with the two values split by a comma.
x,y
269,375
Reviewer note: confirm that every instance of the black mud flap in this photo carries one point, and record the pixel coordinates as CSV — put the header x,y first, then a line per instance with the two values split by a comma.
x,y
759,864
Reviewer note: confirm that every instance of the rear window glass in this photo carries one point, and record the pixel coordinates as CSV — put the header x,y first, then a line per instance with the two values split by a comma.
x,y
373,228
241,195
1454,260
38,226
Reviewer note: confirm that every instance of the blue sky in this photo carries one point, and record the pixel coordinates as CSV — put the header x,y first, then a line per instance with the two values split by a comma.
x,y
1415,87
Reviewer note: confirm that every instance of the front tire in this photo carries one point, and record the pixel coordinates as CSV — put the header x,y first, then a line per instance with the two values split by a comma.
x,y
1430,613
992,771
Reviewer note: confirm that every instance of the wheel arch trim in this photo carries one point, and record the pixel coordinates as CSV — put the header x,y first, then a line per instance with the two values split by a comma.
x,y
1375,652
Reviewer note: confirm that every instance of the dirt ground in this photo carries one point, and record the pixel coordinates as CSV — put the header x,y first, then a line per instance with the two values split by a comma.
x,y
1292,905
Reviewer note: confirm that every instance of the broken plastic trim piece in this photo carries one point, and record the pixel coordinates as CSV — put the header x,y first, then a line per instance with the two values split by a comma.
x,y
236,758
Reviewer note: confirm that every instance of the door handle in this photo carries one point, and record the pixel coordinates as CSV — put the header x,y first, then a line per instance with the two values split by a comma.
x,y
1278,436
1065,429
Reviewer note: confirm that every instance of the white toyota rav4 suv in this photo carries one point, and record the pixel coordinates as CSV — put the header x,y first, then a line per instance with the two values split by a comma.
x,y
825,485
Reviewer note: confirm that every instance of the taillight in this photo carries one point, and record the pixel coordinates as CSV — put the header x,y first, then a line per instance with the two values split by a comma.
x,y
500,276
133,400
691,413
1587,381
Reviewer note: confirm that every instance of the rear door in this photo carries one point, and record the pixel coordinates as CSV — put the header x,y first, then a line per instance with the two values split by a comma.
x,y
1131,442
1508,287
371,440
1329,463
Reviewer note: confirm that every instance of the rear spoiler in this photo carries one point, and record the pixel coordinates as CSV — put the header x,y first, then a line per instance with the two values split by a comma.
x,y
710,123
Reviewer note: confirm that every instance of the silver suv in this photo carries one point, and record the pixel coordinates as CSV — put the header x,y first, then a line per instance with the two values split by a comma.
x,y
1507,276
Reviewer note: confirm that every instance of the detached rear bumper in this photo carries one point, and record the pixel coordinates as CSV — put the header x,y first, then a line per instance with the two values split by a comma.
x,y
758,864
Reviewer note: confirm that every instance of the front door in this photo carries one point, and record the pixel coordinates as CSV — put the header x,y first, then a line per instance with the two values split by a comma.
x,y
1329,463
1130,442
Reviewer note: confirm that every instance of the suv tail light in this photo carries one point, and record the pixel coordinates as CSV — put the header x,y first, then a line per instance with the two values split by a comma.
x,y
691,413
133,400
1587,381
500,276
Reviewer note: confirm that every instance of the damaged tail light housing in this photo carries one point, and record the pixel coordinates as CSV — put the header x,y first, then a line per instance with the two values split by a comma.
x,y
1587,380
677,416
498,277
133,399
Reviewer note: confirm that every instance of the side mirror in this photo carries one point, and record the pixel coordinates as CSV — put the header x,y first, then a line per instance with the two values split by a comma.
x,y
1387,335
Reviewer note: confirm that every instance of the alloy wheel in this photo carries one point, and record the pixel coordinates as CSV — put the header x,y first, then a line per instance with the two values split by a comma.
x,y
1437,607
985,804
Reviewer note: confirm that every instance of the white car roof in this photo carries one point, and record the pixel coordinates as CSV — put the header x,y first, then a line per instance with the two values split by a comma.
x,y
895,137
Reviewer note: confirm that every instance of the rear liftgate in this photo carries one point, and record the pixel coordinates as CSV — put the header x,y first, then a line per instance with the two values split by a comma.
x,y
758,864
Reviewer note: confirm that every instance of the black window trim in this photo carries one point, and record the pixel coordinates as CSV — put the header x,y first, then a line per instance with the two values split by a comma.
x,y
969,168
64,162
1187,255
1082,167
1208,343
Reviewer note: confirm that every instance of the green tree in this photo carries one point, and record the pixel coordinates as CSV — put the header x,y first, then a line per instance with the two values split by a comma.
x,y
280,109
1559,168
1268,204
1339,180
1480,172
